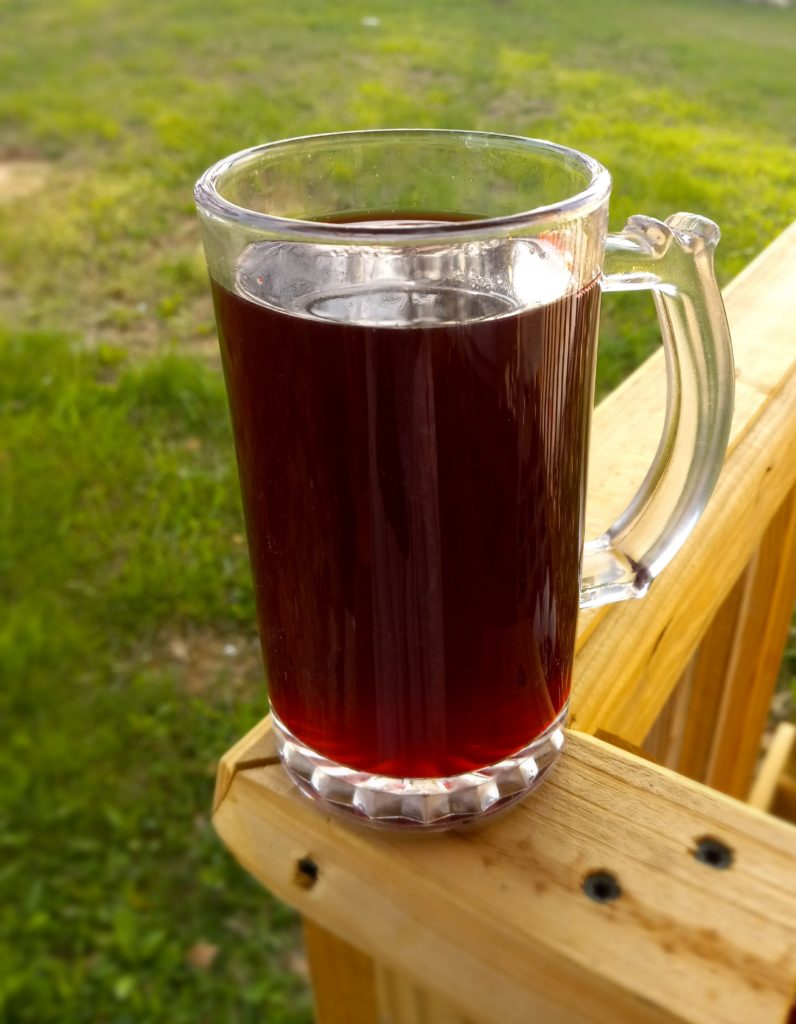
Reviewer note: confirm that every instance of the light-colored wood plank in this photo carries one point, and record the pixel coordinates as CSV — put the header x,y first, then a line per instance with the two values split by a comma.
x,y
632,748
403,1001
784,805
496,918
678,720
656,741
707,674
630,656
343,979
664,741
733,673
756,656
774,767
629,664
253,750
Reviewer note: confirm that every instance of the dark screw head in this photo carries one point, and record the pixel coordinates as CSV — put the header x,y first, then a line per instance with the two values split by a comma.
x,y
602,887
306,873
714,853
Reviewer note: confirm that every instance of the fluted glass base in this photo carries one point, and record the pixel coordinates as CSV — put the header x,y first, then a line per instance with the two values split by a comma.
x,y
420,804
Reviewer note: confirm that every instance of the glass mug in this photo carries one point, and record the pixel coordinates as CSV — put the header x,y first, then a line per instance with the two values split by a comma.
x,y
408,326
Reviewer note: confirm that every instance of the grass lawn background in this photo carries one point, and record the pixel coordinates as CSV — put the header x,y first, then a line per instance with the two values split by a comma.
x,y
127,649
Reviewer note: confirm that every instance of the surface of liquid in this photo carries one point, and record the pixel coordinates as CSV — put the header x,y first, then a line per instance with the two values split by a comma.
x,y
411,432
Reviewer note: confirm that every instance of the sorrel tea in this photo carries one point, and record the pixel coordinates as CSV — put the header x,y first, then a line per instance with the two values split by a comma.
x,y
412,448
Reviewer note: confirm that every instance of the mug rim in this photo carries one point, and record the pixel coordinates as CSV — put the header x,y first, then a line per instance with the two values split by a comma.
x,y
210,201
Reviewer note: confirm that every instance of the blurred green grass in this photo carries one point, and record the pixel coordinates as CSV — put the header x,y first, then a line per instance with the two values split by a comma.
x,y
689,104
126,643
118,510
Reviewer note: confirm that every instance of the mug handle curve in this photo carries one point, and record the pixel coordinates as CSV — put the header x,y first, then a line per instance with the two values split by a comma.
x,y
674,260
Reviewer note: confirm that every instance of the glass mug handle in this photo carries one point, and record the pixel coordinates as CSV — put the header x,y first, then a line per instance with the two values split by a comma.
x,y
675,261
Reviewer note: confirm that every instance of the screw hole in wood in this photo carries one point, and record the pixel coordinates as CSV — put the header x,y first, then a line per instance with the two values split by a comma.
x,y
306,873
714,853
602,887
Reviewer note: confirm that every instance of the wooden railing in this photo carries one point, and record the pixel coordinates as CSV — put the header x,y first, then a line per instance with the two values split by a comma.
x,y
621,891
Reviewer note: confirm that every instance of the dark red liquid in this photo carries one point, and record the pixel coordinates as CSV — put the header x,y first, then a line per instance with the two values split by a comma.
x,y
414,499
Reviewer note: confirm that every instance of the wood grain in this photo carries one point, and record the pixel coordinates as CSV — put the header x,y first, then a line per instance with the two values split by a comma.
x,y
343,979
756,655
496,919
778,767
254,750
714,720
664,742
630,656
706,676
784,805
403,1001
629,662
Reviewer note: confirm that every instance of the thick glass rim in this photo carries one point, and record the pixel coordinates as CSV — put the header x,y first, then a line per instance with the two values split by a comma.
x,y
210,200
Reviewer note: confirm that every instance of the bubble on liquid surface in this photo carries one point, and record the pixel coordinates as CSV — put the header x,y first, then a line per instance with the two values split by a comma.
x,y
421,286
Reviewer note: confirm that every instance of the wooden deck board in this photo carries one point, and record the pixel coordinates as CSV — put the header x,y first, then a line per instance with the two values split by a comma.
x,y
497,918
